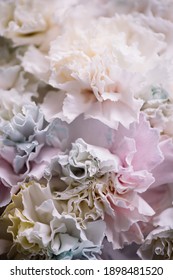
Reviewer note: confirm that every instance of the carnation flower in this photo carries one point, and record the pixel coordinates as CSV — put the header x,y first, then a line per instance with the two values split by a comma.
x,y
28,143
90,69
38,227
35,60
26,22
106,184
97,199
159,243
31,139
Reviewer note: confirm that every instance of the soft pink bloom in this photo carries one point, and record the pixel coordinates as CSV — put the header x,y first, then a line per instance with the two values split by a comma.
x,y
136,152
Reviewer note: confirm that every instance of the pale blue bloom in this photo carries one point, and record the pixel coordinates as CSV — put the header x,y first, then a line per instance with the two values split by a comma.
x,y
29,134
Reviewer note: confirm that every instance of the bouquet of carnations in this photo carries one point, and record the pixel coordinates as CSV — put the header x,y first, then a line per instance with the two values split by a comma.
x,y
86,129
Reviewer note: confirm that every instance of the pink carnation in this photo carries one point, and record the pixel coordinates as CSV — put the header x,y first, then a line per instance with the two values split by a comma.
x,y
136,151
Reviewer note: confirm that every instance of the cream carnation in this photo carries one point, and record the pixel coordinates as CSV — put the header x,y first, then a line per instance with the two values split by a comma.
x,y
27,22
39,228
74,12
90,68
